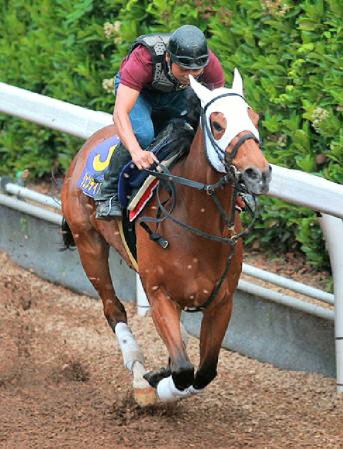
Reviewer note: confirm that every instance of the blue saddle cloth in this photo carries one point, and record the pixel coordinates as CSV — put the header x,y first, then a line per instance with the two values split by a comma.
x,y
96,164
130,178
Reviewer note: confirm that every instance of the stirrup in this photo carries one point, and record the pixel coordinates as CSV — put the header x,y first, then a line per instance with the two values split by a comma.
x,y
107,209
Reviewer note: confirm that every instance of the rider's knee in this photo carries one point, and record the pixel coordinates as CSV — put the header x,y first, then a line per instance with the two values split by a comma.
x,y
145,135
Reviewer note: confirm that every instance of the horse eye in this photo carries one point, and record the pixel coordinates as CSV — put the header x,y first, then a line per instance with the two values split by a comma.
x,y
217,126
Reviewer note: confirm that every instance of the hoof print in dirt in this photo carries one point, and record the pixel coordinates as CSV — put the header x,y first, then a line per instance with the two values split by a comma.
x,y
73,372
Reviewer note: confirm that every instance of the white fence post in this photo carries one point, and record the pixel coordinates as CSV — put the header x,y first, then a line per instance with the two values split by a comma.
x,y
333,232
143,305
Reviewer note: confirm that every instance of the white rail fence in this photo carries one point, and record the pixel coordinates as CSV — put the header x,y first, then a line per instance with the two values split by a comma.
x,y
293,186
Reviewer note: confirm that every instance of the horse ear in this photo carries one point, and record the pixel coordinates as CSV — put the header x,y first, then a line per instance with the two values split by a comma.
x,y
237,84
201,91
254,117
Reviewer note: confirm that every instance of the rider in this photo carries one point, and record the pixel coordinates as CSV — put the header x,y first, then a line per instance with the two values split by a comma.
x,y
153,81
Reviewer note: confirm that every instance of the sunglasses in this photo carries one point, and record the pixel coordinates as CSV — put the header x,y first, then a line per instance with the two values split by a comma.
x,y
188,60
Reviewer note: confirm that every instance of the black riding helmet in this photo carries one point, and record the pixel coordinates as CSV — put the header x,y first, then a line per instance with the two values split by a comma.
x,y
187,47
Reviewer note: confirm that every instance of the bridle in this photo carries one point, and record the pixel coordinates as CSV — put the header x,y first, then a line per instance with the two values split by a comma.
x,y
169,180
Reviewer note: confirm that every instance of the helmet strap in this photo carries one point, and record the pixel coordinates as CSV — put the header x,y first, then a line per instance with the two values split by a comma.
x,y
170,73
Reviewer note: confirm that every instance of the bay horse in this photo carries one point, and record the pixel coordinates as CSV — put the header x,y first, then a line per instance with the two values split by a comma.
x,y
200,267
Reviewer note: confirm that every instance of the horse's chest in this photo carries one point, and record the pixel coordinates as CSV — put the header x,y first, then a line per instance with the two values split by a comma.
x,y
187,284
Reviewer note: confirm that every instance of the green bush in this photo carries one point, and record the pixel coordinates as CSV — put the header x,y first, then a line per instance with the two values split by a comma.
x,y
289,53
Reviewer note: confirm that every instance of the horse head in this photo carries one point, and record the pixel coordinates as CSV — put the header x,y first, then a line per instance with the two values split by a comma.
x,y
232,140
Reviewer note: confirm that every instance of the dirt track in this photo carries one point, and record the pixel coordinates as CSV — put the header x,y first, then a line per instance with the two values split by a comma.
x,y
62,385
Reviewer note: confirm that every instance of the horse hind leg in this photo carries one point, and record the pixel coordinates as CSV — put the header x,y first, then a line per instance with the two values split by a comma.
x,y
94,252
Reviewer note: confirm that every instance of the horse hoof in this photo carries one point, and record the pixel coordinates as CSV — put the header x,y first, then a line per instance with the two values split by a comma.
x,y
145,397
154,377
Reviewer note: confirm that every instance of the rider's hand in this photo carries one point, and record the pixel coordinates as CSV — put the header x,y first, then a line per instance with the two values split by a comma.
x,y
143,159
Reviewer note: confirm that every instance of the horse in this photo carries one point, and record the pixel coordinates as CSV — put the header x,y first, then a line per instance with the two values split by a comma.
x,y
199,267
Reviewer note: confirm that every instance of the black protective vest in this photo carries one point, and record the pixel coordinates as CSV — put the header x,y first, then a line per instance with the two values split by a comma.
x,y
157,45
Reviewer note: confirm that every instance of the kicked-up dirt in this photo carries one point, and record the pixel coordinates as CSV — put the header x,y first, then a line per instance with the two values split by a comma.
x,y
63,385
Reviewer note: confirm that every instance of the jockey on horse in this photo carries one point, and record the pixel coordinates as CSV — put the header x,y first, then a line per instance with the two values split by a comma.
x,y
152,88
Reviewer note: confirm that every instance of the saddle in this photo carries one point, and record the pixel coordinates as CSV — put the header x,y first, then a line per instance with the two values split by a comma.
x,y
172,143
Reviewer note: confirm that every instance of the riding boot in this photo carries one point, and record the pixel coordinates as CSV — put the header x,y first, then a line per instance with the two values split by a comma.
x,y
107,200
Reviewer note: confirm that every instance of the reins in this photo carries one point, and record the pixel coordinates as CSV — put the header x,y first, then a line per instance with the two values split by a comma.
x,y
169,180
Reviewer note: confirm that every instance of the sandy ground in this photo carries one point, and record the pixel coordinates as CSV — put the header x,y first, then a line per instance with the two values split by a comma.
x,y
63,385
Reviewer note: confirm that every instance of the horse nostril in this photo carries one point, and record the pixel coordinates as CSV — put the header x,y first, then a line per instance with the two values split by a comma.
x,y
266,175
252,174
255,180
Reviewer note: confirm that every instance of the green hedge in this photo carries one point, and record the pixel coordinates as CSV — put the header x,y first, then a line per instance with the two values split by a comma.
x,y
289,53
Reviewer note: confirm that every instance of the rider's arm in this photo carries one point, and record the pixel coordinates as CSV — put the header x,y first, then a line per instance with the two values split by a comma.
x,y
125,100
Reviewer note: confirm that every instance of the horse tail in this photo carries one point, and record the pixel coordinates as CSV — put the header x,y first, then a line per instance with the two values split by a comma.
x,y
67,236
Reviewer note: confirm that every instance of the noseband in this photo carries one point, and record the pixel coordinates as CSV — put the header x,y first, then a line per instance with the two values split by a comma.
x,y
225,158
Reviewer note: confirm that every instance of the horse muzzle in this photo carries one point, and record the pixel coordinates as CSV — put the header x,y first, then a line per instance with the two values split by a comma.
x,y
257,181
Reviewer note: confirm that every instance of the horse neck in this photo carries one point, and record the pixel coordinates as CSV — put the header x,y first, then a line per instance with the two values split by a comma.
x,y
196,165
197,168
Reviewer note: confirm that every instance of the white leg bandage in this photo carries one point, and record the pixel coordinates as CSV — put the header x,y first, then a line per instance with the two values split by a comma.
x,y
167,391
129,346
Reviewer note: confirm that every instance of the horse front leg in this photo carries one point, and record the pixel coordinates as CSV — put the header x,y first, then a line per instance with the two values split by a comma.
x,y
213,327
166,317
94,252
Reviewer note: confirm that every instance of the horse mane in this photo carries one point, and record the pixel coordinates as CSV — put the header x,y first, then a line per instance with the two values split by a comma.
x,y
194,109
